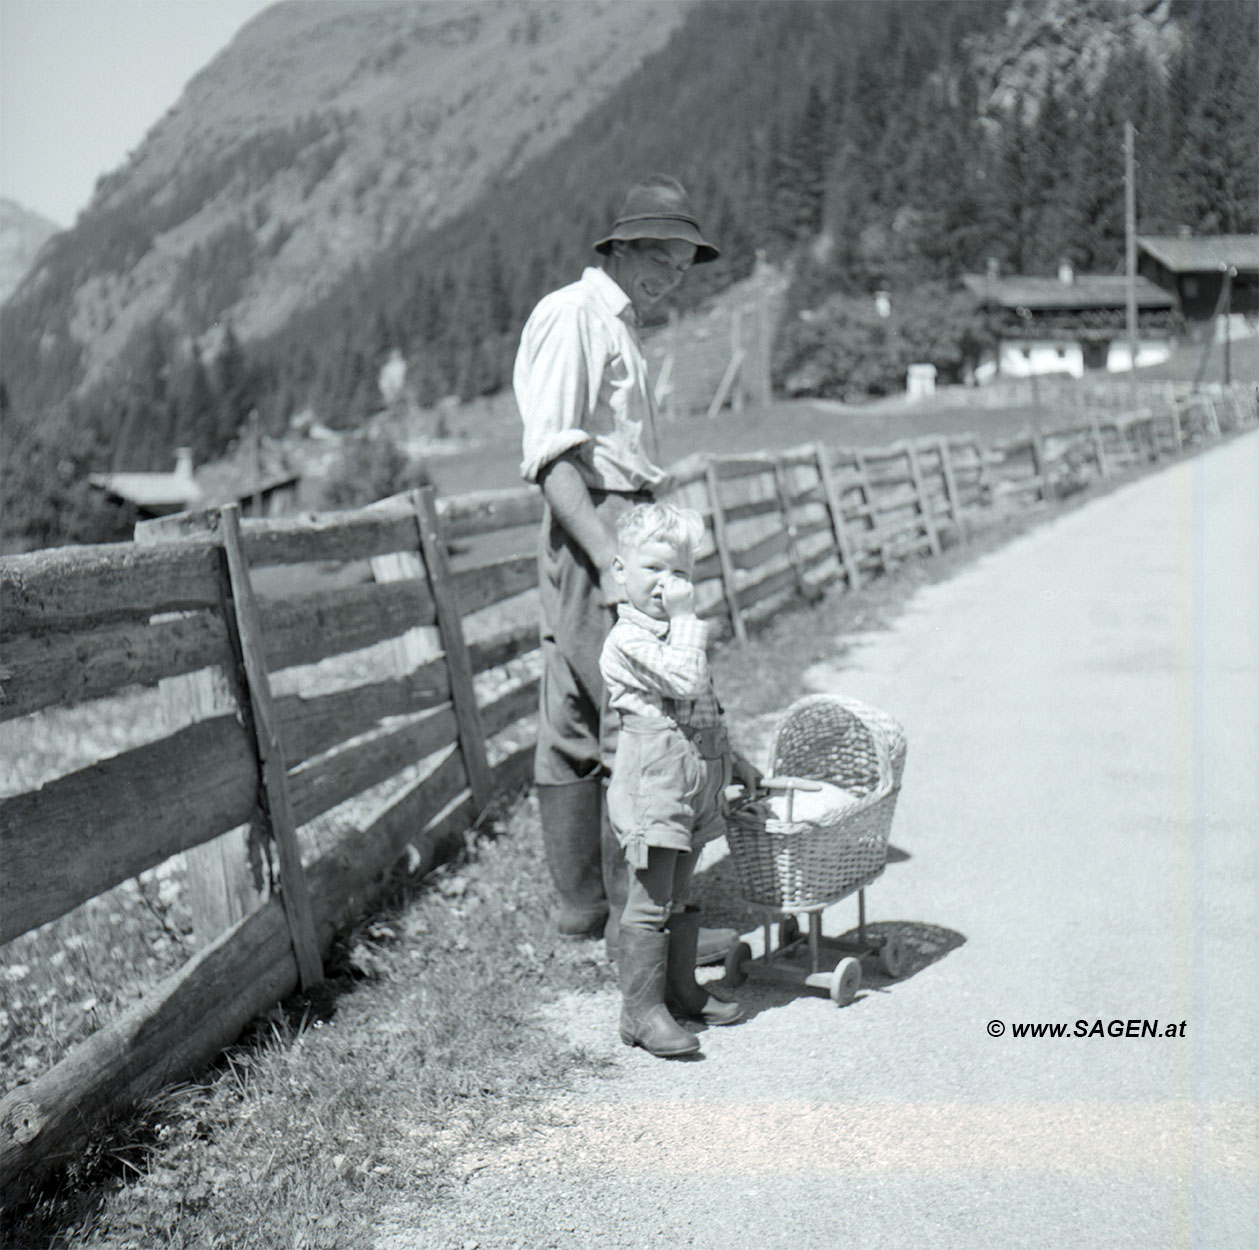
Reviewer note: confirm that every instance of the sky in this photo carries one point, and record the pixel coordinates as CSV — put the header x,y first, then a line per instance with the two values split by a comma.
x,y
83,81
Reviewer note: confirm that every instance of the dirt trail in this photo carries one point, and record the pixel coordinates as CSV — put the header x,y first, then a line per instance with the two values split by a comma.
x,y
1075,843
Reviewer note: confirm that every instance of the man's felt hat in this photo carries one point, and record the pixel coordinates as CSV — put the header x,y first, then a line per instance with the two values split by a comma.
x,y
658,207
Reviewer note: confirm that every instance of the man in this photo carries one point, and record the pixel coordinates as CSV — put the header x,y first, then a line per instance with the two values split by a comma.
x,y
590,443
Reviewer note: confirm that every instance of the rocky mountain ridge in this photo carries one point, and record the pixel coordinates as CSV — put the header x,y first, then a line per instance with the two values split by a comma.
x,y
325,132
22,233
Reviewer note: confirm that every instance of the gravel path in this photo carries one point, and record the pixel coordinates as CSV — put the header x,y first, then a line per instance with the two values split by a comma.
x,y
1075,842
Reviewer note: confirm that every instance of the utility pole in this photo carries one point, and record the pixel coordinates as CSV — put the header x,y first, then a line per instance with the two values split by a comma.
x,y
1130,237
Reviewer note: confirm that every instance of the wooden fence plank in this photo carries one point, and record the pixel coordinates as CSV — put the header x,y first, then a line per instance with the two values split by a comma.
x,y
295,892
503,648
747,509
723,551
306,538
484,512
509,707
322,783
83,833
74,588
728,468
312,724
449,621
483,585
305,629
752,557
46,670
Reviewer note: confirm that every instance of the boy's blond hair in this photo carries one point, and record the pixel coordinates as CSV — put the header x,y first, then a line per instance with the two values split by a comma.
x,y
683,527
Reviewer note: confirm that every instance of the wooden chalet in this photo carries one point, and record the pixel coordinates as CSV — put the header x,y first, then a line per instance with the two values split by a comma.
x,y
260,489
1072,323
1210,276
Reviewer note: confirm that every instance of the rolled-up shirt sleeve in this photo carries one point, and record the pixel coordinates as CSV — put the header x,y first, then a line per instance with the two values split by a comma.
x,y
556,381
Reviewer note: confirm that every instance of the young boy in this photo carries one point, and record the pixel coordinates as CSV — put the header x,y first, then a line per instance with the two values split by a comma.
x,y
672,763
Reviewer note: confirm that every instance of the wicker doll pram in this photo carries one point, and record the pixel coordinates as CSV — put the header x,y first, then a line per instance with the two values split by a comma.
x,y
790,866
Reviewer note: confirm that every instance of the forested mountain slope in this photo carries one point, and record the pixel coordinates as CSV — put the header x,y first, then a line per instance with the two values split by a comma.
x,y
347,180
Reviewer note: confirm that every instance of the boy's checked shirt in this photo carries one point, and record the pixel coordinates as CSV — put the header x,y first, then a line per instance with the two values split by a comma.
x,y
659,669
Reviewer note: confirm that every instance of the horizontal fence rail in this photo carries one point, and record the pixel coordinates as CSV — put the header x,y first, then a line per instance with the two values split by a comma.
x,y
384,663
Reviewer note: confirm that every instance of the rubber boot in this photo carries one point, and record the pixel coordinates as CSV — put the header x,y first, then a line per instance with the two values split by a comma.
x,y
684,996
712,945
570,836
643,956
615,881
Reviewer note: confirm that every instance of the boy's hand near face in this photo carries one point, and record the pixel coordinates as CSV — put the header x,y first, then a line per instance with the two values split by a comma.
x,y
678,595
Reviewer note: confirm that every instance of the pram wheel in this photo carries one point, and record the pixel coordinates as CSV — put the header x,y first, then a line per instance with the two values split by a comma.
x,y
845,981
736,960
892,956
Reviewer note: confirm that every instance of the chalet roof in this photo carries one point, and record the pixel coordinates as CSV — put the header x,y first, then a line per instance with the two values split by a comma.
x,y
150,490
231,480
227,481
1209,253
1085,291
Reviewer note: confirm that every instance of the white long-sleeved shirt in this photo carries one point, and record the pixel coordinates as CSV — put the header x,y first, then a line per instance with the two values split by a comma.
x,y
659,668
581,382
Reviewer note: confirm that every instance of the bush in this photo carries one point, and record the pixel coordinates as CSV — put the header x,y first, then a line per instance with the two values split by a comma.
x,y
373,467
846,350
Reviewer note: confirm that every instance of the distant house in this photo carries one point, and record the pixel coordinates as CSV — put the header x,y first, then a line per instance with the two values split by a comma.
x,y
155,494
1070,324
262,489
258,489
1195,270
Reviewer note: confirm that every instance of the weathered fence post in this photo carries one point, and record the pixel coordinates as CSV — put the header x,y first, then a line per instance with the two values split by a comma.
x,y
449,621
727,381
723,551
835,508
924,500
863,481
951,497
783,489
295,893
1040,463
224,876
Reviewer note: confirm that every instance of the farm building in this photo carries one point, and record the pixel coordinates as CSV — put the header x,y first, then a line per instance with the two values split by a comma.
x,y
259,490
1210,277
1072,323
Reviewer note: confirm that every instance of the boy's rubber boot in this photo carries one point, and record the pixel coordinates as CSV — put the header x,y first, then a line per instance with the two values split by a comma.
x,y
711,945
615,881
684,996
570,836
643,957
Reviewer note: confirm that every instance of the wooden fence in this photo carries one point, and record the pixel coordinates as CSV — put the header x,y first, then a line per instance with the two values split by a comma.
x,y
383,662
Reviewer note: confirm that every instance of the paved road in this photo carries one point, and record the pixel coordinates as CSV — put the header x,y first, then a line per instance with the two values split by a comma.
x,y
1079,838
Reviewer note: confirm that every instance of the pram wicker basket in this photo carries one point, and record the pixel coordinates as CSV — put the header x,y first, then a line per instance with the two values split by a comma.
x,y
797,866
